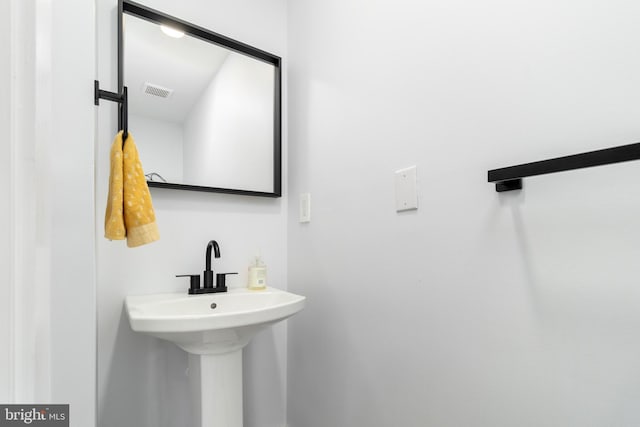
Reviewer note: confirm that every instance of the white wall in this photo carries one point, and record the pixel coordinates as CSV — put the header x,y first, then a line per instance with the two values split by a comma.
x,y
68,137
160,143
47,181
230,128
28,314
479,309
142,381
6,363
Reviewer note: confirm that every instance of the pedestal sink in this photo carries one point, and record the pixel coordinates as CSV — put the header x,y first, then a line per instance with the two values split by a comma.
x,y
213,329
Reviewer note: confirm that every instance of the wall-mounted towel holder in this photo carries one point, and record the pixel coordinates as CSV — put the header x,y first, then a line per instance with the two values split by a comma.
x,y
121,99
510,178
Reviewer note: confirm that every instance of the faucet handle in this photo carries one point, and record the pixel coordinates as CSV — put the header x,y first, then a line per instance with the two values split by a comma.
x,y
194,284
221,284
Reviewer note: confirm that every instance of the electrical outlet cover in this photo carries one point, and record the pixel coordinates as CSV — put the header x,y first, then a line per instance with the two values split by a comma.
x,y
406,189
305,207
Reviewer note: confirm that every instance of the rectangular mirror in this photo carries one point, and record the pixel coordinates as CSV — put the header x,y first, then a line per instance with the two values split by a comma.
x,y
204,110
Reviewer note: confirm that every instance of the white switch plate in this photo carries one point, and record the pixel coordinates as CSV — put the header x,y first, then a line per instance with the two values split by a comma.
x,y
305,207
406,189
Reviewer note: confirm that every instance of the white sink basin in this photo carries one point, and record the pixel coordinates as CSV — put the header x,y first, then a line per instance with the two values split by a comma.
x,y
210,323
213,328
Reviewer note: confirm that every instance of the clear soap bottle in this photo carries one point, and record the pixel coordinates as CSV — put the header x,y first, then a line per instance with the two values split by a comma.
x,y
257,275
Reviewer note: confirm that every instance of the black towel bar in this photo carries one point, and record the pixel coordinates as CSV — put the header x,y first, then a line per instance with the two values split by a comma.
x,y
510,178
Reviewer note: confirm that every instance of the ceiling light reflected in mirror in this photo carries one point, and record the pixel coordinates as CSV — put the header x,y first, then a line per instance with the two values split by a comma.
x,y
172,32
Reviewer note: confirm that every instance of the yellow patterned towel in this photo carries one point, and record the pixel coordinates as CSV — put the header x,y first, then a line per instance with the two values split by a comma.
x,y
129,210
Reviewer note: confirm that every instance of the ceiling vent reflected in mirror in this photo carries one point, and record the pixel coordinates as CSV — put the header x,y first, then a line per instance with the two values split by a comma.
x,y
155,90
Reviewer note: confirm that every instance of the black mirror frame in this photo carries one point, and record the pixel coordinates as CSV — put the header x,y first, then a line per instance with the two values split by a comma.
x,y
151,15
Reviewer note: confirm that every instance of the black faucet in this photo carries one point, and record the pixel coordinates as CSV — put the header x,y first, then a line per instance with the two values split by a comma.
x,y
207,274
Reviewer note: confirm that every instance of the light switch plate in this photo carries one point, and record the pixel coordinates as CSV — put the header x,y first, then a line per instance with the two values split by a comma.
x,y
305,207
406,189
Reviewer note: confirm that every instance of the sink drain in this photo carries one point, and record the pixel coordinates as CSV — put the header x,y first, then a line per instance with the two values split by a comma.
x,y
213,305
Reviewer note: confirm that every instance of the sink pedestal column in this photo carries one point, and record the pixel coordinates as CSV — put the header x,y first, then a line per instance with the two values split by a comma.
x,y
216,389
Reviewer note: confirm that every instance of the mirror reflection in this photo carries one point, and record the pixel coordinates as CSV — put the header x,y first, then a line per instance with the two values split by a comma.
x,y
201,114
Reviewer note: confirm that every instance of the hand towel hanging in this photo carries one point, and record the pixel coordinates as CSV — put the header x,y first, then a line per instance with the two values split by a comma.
x,y
129,213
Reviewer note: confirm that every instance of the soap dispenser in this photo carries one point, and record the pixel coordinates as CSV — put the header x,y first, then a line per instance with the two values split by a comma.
x,y
257,274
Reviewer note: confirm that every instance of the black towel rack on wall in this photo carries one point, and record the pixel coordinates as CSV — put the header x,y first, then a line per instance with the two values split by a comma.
x,y
510,178
120,98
